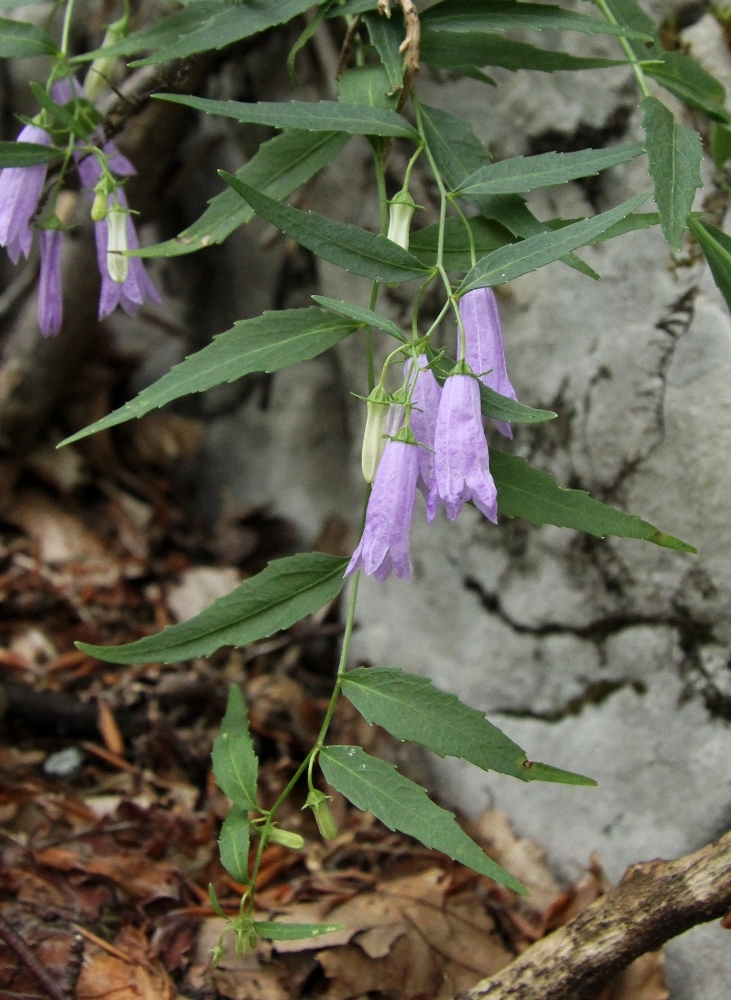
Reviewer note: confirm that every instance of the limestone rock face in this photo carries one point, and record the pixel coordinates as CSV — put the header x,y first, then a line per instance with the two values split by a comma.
x,y
610,657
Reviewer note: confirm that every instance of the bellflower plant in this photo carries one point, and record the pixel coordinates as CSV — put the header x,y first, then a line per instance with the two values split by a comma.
x,y
484,351
20,191
421,434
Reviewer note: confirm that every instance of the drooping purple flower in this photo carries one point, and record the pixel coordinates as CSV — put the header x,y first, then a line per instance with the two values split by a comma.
x,y
424,407
50,304
20,190
137,286
484,351
384,546
461,460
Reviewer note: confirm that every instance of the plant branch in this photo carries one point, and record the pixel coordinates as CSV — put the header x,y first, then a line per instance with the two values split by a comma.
x,y
654,902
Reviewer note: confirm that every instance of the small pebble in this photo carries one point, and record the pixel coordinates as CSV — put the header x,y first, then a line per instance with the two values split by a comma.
x,y
63,764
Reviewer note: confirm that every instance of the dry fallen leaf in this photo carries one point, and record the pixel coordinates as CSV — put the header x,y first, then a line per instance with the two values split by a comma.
x,y
105,976
198,588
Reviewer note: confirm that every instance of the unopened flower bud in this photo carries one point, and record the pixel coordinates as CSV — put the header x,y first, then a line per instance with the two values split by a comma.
x,y
96,81
374,441
286,838
99,205
317,802
117,263
400,212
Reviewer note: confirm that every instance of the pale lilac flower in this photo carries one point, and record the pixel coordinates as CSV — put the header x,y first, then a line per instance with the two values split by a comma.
x,y
424,407
50,305
20,191
137,286
484,351
384,546
461,460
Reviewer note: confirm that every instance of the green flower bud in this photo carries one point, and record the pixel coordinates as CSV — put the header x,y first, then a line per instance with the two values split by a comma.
x,y
286,838
317,802
374,441
96,81
400,212
99,205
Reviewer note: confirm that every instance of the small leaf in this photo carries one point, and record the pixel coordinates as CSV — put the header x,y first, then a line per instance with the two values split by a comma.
x,y
312,116
527,173
504,15
720,144
387,34
675,153
26,154
716,246
411,708
235,763
280,166
376,786
452,50
233,844
278,930
361,315
523,491
268,342
287,590
692,84
354,249
369,85
19,39
214,901
537,251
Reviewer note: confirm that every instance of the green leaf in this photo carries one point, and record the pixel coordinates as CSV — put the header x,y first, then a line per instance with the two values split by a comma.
x,y
60,115
232,24
313,116
376,786
278,930
675,153
458,153
233,844
354,249
487,235
631,16
523,491
266,343
493,404
307,33
504,15
387,34
450,50
411,708
720,144
369,85
520,258
361,315
19,39
629,224
280,166
685,78
235,764
527,173
351,7
716,245
287,590
162,34
26,154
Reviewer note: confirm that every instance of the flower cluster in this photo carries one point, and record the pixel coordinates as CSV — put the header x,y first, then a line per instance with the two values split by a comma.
x,y
124,280
441,449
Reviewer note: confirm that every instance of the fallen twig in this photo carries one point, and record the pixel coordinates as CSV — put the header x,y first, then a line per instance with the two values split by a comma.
x,y
26,956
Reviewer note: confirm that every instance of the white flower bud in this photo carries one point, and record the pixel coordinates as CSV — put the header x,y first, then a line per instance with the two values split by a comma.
x,y
117,263
96,81
374,442
400,212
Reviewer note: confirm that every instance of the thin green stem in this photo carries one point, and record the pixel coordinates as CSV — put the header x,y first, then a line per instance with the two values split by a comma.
x,y
417,303
628,50
382,194
347,635
370,361
68,14
468,228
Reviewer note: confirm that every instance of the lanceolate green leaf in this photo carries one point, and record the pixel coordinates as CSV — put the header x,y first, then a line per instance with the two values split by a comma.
x,y
675,155
278,930
287,590
411,708
280,166
354,249
165,32
387,34
487,235
526,173
19,39
232,24
685,78
369,85
521,258
361,315
504,15
523,491
313,116
377,787
235,763
716,245
452,50
233,843
25,154
263,344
